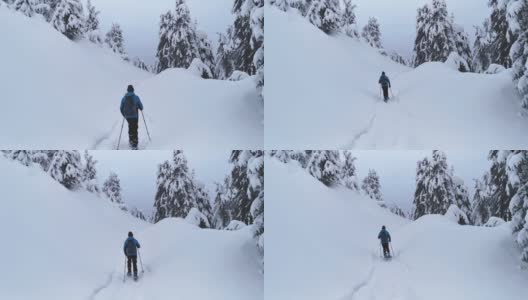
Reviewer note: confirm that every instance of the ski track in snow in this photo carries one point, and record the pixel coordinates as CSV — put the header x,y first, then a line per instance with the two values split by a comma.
x,y
105,285
362,133
361,285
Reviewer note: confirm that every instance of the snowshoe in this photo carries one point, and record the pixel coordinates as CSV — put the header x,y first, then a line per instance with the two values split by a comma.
x,y
129,274
135,277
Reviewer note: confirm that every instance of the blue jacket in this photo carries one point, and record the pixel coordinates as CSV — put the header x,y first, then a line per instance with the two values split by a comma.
x,y
384,81
130,246
384,236
130,110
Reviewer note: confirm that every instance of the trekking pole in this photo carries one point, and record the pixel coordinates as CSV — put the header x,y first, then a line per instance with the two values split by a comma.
x,y
119,141
124,269
392,250
141,262
146,126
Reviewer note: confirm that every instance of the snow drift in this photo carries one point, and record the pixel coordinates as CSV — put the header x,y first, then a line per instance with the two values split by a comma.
x,y
322,92
322,244
63,95
59,244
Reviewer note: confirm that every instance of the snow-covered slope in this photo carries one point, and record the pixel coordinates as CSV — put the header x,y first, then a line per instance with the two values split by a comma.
x,y
322,244
322,92
58,244
57,94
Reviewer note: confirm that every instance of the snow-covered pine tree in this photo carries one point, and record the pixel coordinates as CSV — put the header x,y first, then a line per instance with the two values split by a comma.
x,y
138,63
205,51
462,46
397,210
517,162
92,27
177,192
247,181
435,34
112,190
222,209
372,33
303,6
325,166
325,15
282,155
257,25
501,40
90,173
455,214
434,186
283,5
49,8
134,211
348,171
480,211
26,7
349,19
462,198
24,157
500,189
66,167
481,48
518,23
115,40
224,63
178,44
372,187
68,18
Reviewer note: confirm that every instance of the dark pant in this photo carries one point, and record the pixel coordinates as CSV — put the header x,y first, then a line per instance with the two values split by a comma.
x,y
386,92
133,132
386,251
132,260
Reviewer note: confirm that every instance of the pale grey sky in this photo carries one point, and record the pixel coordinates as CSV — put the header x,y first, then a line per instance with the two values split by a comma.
x,y
139,20
397,170
398,19
137,171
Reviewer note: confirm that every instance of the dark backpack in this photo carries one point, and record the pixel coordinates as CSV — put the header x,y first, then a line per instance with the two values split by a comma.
x,y
130,108
130,247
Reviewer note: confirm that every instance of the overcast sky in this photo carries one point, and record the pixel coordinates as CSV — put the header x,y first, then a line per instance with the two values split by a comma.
x,y
137,171
139,20
398,19
397,170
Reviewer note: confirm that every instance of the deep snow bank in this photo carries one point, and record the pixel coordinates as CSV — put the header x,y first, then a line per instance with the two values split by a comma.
x,y
322,244
322,92
57,94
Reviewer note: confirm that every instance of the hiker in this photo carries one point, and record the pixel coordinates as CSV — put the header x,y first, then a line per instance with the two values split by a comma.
x,y
131,252
129,109
385,239
385,85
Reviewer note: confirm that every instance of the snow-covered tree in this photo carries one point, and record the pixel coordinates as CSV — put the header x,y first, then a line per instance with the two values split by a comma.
x,y
283,5
177,190
223,204
200,69
481,48
372,33
455,61
462,47
137,213
66,167
115,40
25,157
112,189
90,173
27,7
480,211
195,217
435,35
372,187
349,19
501,41
462,198
205,51
224,63
324,165
455,214
92,27
501,191
325,15
68,18
348,171
517,17
434,186
138,63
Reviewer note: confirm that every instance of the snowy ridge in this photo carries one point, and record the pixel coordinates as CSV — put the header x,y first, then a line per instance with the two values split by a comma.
x,y
333,82
324,246
76,240
65,95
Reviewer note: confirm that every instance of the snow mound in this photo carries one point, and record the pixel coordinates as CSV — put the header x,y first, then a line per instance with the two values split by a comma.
x,y
238,75
456,215
456,62
494,222
235,225
66,95
322,92
196,218
323,246
200,69
495,69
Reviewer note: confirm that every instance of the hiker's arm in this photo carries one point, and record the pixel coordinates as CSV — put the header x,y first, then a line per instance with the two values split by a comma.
x,y
137,244
140,105
389,82
121,107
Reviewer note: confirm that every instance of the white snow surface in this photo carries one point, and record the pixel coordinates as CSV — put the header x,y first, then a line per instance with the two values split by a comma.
x,y
322,92
322,244
57,94
60,244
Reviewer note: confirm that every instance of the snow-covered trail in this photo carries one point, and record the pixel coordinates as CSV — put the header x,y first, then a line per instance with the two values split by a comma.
x,y
322,93
66,95
322,245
